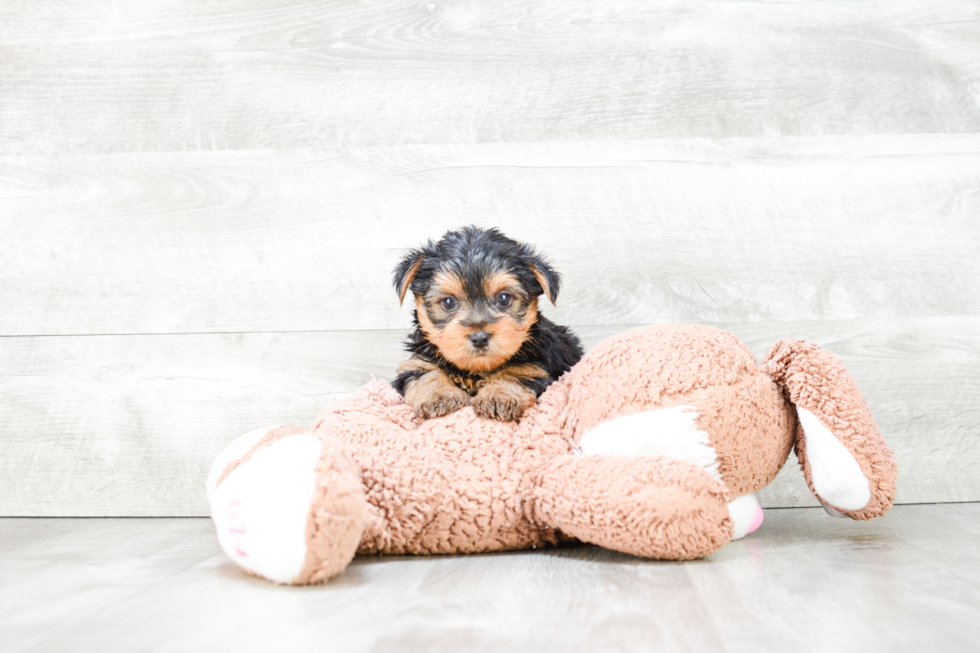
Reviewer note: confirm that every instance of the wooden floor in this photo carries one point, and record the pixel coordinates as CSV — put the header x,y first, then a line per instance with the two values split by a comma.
x,y
803,582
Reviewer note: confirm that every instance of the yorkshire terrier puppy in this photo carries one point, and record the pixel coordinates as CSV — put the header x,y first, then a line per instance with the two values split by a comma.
x,y
479,338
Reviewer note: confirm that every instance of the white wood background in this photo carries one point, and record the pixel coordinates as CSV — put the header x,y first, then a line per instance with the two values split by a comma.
x,y
201,203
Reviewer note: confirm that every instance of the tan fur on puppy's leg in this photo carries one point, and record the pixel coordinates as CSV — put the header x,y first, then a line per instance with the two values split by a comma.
x,y
433,395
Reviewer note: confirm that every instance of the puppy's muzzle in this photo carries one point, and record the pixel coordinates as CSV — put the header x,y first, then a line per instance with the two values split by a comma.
x,y
480,339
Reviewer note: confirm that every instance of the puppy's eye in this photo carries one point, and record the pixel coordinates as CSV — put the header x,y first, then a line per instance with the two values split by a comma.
x,y
448,304
503,300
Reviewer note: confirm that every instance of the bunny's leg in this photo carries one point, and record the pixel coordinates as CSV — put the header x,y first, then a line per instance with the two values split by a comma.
x,y
290,508
651,506
673,433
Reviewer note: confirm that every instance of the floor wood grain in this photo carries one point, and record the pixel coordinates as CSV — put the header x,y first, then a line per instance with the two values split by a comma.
x,y
803,582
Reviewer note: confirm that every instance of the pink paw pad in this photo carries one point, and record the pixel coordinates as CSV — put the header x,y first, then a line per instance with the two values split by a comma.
x,y
236,526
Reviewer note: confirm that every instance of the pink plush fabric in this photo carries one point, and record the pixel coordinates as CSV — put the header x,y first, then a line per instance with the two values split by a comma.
x,y
455,484
390,483
649,506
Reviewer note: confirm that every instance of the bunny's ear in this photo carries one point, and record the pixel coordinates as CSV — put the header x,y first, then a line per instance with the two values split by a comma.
x,y
549,280
847,464
405,271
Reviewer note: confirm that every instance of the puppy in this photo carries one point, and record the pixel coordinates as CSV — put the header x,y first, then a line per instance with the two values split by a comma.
x,y
479,338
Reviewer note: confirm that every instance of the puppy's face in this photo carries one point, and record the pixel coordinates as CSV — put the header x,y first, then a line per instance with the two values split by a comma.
x,y
476,294
477,319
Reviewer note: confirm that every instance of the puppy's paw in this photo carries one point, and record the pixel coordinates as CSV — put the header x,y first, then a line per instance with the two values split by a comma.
x,y
503,401
434,395
441,404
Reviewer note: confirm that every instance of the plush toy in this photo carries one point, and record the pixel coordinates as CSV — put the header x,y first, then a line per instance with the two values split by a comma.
x,y
652,445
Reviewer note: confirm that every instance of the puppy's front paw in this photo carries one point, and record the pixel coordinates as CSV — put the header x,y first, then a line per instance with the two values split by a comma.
x,y
503,401
437,405
433,395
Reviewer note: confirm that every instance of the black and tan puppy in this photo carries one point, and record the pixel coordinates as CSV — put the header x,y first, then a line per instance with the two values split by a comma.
x,y
479,338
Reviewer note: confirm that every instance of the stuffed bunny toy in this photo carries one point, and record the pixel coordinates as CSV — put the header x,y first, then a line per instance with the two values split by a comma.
x,y
653,445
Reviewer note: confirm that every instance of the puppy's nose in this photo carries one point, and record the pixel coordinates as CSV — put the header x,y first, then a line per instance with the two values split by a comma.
x,y
479,339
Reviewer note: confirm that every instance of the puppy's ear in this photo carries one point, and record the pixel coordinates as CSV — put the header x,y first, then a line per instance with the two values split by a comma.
x,y
405,272
547,277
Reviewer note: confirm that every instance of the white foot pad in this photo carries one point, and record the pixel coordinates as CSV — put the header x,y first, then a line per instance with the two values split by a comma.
x,y
747,515
260,510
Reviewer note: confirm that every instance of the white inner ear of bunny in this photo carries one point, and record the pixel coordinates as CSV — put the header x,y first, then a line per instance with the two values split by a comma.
x,y
669,432
835,473
260,511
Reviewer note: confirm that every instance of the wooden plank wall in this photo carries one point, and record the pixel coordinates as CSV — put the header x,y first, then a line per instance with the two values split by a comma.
x,y
200,205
